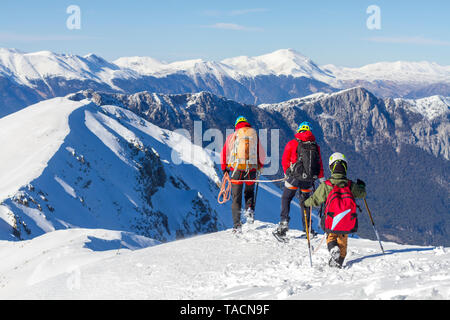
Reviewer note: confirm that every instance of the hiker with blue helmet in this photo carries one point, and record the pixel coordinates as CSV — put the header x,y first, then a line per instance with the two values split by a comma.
x,y
302,165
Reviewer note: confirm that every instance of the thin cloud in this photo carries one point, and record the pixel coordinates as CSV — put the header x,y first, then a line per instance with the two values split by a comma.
x,y
410,40
233,13
233,26
247,11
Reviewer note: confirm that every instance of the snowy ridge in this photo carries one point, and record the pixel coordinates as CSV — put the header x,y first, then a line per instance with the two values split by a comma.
x,y
431,107
29,139
287,62
25,67
91,167
399,71
224,266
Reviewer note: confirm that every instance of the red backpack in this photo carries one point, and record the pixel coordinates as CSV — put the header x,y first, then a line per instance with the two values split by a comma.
x,y
340,210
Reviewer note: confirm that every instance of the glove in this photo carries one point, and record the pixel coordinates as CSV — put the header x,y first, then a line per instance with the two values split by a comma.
x,y
360,183
322,180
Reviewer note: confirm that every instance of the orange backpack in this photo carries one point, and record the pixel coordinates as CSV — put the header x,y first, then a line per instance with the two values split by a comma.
x,y
242,153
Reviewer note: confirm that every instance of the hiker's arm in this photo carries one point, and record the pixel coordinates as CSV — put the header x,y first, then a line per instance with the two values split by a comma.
x,y
318,197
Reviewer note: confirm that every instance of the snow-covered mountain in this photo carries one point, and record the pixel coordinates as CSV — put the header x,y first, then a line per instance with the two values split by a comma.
x,y
27,78
399,71
27,68
98,264
395,79
286,62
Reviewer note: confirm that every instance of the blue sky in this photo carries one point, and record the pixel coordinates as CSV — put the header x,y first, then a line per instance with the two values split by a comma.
x,y
326,31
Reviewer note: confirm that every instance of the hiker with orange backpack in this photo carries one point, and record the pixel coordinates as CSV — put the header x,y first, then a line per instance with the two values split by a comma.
x,y
340,217
242,157
302,165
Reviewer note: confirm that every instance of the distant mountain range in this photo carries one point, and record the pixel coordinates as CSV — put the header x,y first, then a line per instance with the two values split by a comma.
x,y
27,78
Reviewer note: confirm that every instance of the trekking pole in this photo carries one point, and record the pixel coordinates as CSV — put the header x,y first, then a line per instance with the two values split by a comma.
x,y
373,225
307,237
256,192
310,210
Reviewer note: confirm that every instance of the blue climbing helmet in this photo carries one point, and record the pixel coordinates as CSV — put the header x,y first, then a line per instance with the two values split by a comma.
x,y
304,126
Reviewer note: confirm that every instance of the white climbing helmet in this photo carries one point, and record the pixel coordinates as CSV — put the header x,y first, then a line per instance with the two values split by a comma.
x,y
335,157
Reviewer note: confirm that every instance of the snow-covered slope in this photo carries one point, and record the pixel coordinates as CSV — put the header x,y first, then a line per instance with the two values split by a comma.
x,y
30,262
220,266
85,166
430,107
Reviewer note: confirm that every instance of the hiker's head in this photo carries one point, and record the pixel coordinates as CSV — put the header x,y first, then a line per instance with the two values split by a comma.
x,y
338,163
239,120
304,126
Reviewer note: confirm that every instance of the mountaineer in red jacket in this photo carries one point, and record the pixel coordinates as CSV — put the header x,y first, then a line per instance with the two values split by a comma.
x,y
242,157
302,165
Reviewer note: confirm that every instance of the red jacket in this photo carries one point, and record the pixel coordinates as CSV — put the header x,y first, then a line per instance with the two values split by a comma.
x,y
290,151
223,154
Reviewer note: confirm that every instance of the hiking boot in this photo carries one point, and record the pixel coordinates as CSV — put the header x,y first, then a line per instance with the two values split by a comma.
x,y
250,215
237,229
336,263
335,260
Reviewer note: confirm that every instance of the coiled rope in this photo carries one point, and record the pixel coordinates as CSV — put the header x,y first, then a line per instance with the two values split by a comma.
x,y
225,189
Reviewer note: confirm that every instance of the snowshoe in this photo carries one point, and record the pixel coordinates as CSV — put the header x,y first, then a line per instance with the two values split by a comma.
x,y
280,231
280,236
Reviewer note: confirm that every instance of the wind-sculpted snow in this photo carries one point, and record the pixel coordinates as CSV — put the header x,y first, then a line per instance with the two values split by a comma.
x,y
225,266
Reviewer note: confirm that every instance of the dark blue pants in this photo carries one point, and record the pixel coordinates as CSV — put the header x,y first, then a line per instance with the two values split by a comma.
x,y
290,190
248,189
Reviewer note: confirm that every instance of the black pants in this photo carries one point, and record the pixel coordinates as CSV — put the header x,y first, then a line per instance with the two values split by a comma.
x,y
237,190
289,194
